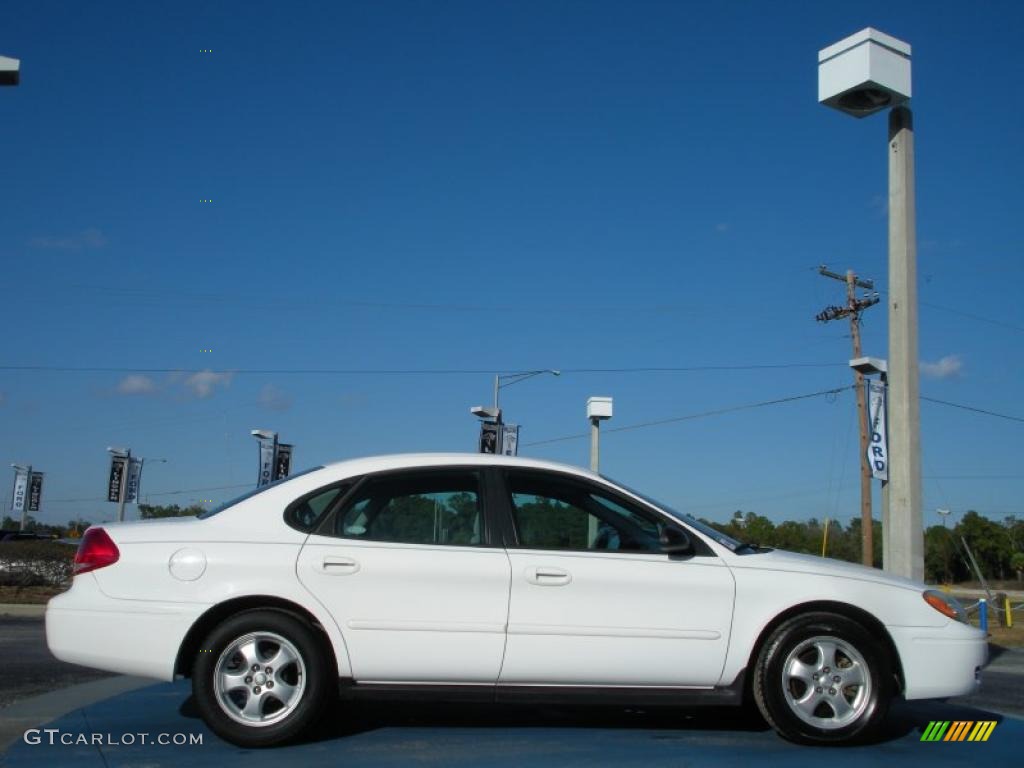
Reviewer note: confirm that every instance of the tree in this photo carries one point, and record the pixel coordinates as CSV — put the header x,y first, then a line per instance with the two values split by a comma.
x,y
153,511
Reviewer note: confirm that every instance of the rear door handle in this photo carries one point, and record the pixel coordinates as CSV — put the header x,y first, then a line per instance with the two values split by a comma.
x,y
547,576
339,566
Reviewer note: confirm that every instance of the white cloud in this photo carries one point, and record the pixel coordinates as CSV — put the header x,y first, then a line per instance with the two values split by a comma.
x,y
947,367
203,384
136,384
274,399
87,238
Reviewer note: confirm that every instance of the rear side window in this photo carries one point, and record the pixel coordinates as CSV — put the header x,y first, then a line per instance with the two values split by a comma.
x,y
306,512
439,507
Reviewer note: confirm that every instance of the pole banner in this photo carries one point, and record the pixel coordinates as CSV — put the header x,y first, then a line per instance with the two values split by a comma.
x,y
266,462
490,433
134,481
878,448
20,490
510,439
283,461
117,473
35,491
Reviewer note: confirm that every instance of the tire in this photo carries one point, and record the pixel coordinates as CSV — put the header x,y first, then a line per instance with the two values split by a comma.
x,y
244,703
822,678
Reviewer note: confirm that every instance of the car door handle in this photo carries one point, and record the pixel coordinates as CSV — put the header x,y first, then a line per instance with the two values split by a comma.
x,y
339,566
546,576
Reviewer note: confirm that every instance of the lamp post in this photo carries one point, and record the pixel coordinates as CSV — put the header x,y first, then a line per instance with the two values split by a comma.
x,y
598,410
502,380
859,76
492,431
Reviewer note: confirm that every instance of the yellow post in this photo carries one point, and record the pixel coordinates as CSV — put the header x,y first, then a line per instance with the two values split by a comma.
x,y
824,538
1009,612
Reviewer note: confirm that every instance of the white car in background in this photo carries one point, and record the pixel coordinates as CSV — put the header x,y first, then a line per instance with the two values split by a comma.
x,y
494,578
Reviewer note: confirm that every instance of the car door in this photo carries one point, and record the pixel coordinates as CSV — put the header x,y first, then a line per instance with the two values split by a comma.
x,y
594,600
406,568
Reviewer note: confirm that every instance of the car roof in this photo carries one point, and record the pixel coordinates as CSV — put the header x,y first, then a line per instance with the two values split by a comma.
x,y
414,460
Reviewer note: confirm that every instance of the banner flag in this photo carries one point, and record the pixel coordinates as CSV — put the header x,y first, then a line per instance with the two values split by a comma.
x,y
35,491
134,481
510,439
266,462
20,490
117,477
283,461
878,448
490,434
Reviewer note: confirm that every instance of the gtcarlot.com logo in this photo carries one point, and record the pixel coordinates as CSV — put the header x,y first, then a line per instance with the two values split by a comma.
x,y
958,730
52,736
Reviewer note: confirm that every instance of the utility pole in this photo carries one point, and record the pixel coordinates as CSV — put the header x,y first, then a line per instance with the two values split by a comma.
x,y
852,310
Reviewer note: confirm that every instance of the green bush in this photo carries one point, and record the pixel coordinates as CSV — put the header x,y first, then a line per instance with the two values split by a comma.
x,y
35,563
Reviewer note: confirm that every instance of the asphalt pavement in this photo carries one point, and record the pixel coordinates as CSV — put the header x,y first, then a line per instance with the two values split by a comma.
x,y
119,721
29,667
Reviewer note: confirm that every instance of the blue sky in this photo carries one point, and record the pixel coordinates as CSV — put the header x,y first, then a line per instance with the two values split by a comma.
x,y
496,187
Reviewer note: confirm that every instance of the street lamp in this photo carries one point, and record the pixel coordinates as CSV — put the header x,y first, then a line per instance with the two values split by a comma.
x,y
502,380
859,76
598,409
944,514
10,71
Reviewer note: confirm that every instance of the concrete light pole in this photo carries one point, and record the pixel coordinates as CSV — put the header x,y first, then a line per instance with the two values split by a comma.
x,y
860,75
598,409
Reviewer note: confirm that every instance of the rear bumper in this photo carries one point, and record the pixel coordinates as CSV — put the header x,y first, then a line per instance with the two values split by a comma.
x,y
131,637
940,662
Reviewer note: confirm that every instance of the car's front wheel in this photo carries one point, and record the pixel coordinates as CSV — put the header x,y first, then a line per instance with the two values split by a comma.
x,y
823,678
261,678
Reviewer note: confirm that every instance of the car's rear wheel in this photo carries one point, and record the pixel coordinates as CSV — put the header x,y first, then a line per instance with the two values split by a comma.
x,y
261,678
823,678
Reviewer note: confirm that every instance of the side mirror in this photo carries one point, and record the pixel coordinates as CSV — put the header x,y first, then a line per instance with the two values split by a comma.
x,y
675,541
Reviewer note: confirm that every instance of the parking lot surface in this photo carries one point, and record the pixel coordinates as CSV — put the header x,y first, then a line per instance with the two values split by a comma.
x,y
127,727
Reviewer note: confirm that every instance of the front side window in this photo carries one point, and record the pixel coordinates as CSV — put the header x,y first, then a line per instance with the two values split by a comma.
x,y
554,512
420,508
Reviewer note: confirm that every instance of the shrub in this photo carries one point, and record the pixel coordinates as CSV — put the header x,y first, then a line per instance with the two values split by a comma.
x,y
35,563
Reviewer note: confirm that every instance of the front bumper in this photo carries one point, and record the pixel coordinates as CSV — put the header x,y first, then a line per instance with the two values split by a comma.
x,y
131,637
940,662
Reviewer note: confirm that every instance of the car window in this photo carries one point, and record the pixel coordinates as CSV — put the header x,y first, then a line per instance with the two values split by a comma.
x,y
419,508
554,512
304,513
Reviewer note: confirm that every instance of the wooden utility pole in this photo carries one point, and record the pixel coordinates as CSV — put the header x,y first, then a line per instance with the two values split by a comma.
x,y
852,310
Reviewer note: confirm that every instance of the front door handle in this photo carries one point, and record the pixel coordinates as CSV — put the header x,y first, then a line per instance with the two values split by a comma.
x,y
338,566
547,576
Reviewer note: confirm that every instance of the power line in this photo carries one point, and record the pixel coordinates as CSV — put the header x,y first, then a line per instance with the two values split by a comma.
x,y
409,371
161,493
973,409
701,415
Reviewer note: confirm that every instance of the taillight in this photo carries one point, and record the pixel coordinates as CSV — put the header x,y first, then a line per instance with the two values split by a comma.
x,y
96,550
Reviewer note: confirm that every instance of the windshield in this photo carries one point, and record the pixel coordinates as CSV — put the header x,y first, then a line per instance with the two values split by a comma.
x,y
715,535
255,491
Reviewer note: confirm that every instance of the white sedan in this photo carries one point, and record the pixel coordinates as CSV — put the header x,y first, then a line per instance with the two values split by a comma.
x,y
494,578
